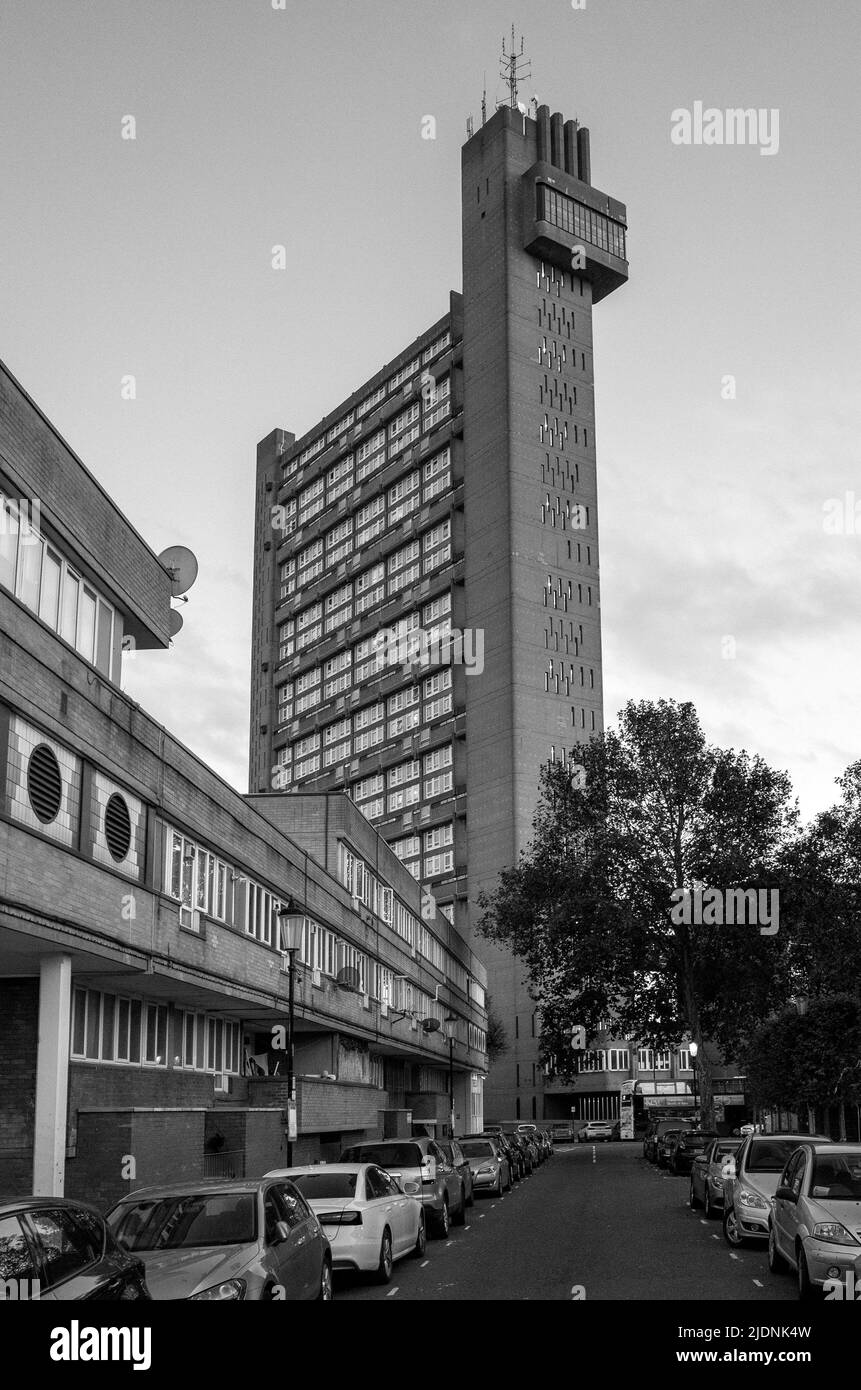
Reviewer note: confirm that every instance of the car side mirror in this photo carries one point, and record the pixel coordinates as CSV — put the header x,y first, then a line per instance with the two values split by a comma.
x,y
410,1188
786,1194
282,1233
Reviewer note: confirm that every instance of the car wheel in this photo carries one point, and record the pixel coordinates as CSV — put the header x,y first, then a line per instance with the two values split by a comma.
x,y
459,1218
326,1293
384,1268
807,1290
776,1263
420,1239
693,1199
731,1230
442,1220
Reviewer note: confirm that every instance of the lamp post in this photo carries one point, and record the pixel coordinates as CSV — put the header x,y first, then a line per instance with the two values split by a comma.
x,y
291,921
693,1048
449,1025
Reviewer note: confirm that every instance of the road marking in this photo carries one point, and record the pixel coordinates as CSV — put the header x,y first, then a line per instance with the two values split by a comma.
x,y
467,1228
758,1284
715,1237
482,1215
392,1292
492,1205
423,1263
733,1255
447,1244
703,1222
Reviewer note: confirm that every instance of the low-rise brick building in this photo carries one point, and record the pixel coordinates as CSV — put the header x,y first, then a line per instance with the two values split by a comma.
x,y
143,988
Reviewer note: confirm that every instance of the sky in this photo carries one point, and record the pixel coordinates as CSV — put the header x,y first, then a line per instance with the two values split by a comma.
x,y
730,551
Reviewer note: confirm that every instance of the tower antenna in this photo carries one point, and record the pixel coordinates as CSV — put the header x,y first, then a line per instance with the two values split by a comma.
x,y
513,68
484,101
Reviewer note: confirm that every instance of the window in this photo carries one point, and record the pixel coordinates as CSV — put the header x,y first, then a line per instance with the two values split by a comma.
x,y
437,864
286,640
405,797
310,563
370,455
370,401
313,450
311,501
371,714
404,772
370,588
113,1028
436,545
370,520
261,907
580,221
339,541
196,878
662,1060
436,475
684,1059
403,497
402,700
437,786
439,405
620,1059
439,758
404,373
309,625
432,612
645,1059
438,837
404,427
339,479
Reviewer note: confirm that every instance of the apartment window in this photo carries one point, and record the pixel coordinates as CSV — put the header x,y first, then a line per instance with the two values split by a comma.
x,y
436,544
339,479
437,786
371,401
404,427
684,1059
38,575
339,542
288,579
260,909
369,739
311,501
436,475
437,864
436,347
439,837
403,798
310,563
407,848
662,1060
309,625
370,588
195,878
370,521
339,607
439,405
439,758
645,1059
404,772
368,786
333,733
404,723
112,1028
313,450
402,699
404,373
210,1044
403,566
285,702
370,455
371,714
286,639
620,1059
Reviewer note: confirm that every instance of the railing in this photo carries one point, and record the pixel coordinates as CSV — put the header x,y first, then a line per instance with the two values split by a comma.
x,y
229,1164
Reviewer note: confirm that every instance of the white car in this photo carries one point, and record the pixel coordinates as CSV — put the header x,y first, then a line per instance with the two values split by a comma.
x,y
369,1219
595,1129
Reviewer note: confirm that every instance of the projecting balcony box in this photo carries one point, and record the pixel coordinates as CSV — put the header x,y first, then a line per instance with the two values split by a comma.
x,y
560,212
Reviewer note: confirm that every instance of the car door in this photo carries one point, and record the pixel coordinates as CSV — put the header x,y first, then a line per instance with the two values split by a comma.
x,y
378,1211
784,1212
284,1258
401,1211
309,1237
70,1253
699,1171
20,1267
450,1177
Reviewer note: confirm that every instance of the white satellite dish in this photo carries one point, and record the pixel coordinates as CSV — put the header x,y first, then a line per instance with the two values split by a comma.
x,y
175,621
182,566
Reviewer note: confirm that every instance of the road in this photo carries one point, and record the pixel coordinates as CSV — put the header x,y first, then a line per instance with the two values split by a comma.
x,y
603,1219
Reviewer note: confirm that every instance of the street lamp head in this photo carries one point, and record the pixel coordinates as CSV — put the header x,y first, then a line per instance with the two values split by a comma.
x,y
291,920
693,1048
449,1023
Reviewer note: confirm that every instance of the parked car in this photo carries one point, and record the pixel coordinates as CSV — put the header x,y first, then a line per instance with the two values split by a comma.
x,y
491,1171
65,1252
529,1138
422,1161
516,1159
223,1240
815,1225
455,1155
596,1131
548,1139
562,1131
535,1136
656,1129
525,1150
666,1142
747,1194
686,1145
708,1171
369,1219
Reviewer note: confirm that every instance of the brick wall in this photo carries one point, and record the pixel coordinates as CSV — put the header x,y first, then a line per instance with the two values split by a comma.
x,y
19,1036
165,1146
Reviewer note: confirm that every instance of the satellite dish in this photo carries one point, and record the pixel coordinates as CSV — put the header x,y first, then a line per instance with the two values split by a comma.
x,y
182,564
174,622
430,1025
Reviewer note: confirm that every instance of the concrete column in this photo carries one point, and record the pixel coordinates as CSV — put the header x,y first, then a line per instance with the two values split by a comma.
x,y
52,1076
557,149
542,117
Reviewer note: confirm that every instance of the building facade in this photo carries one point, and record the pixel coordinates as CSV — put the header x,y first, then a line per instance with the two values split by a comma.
x,y
426,629
143,984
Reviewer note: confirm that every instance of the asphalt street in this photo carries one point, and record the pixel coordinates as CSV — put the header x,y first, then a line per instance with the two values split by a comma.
x,y
599,1218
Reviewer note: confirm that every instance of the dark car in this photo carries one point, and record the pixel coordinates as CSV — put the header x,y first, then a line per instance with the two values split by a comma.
x,y
516,1159
237,1239
525,1149
60,1250
460,1163
655,1131
687,1144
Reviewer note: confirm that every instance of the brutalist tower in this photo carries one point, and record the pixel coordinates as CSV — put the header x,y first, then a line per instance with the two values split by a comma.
x,y
454,492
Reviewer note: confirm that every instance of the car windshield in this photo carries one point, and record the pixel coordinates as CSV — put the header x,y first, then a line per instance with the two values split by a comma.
x,y
837,1177
695,1140
386,1155
769,1155
730,1147
477,1148
178,1223
313,1185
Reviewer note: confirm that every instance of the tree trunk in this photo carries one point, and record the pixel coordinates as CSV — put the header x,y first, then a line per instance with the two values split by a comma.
x,y
811,1120
706,1090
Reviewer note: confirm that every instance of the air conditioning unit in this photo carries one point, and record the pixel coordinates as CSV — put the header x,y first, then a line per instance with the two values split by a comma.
x,y
117,828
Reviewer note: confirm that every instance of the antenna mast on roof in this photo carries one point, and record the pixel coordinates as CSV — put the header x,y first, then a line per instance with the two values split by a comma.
x,y
513,68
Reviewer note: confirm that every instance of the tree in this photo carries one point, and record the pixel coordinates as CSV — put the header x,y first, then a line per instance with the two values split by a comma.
x,y
808,1059
588,907
497,1038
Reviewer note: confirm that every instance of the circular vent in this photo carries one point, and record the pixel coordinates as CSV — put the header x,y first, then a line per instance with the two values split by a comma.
x,y
118,827
44,783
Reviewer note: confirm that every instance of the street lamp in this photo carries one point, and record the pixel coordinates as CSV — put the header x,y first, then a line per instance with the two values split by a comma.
x,y
449,1025
693,1048
291,920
